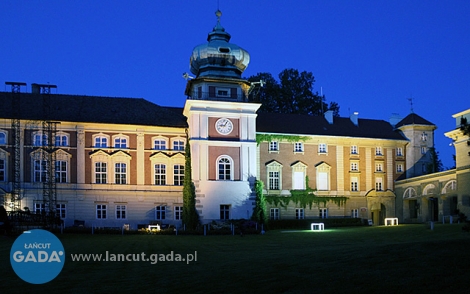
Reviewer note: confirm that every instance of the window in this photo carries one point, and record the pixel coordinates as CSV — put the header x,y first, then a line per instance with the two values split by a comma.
x,y
378,150
354,166
178,174
274,213
100,172
274,174
399,168
353,149
399,151
178,212
3,138
323,213
101,142
223,92
424,137
322,183
224,211
160,174
273,180
299,181
60,210
354,213
178,145
378,167
159,144
160,212
299,213
40,139
120,172
121,211
120,142
298,147
322,148
224,169
39,208
354,184
61,171
61,140
101,211
2,170
274,146
40,171
378,184
423,149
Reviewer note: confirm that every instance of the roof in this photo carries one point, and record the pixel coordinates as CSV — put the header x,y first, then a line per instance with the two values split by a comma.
x,y
413,119
317,125
92,109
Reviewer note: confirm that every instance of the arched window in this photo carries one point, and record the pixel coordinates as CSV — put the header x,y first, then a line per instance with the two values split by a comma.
x,y
409,193
451,186
224,168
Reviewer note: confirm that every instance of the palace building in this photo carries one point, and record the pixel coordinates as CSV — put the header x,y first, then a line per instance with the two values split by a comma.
x,y
110,162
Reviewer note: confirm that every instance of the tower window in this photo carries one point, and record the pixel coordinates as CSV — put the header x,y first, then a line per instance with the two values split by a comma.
x,y
224,50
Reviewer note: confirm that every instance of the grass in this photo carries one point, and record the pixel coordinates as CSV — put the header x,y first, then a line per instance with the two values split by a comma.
x,y
405,258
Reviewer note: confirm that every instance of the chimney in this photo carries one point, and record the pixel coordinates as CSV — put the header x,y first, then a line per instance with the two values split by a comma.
x,y
354,117
329,116
35,89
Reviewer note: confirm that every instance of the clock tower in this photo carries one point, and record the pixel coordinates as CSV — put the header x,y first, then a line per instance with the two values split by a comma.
x,y
222,129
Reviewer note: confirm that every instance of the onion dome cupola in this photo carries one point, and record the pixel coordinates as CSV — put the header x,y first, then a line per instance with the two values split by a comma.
x,y
218,58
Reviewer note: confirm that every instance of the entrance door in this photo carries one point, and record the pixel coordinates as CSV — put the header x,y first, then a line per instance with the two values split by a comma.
x,y
433,209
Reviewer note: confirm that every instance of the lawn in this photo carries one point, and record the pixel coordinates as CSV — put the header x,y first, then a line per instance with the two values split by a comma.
x,y
400,259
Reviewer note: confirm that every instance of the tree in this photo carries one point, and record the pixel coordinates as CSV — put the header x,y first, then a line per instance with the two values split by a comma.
x,y
259,213
436,164
190,216
464,126
292,94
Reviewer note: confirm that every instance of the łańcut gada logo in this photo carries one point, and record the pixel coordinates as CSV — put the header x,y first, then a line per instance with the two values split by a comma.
x,y
37,256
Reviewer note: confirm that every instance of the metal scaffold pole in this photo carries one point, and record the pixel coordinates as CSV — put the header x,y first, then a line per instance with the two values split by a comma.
x,y
16,194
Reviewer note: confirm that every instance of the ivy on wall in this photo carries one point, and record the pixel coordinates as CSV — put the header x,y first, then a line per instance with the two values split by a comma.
x,y
302,198
280,138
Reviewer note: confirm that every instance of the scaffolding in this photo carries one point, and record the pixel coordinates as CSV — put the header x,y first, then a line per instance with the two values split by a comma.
x,y
16,194
48,160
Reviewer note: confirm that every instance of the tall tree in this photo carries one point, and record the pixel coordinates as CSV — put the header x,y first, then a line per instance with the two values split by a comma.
x,y
292,94
436,164
190,216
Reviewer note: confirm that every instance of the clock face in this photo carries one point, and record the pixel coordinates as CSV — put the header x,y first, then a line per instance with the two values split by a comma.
x,y
224,126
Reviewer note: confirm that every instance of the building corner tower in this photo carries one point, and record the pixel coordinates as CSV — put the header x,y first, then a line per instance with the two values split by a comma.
x,y
222,129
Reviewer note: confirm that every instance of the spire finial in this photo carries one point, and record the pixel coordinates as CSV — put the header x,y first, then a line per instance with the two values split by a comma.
x,y
411,103
218,13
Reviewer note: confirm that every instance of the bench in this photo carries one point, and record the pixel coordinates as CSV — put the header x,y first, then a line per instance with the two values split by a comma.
x,y
317,226
392,220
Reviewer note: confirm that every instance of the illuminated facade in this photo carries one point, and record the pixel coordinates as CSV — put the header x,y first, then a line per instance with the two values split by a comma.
x,y
110,162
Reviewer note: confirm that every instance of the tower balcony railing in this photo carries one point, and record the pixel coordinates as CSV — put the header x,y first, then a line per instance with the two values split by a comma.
x,y
196,95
